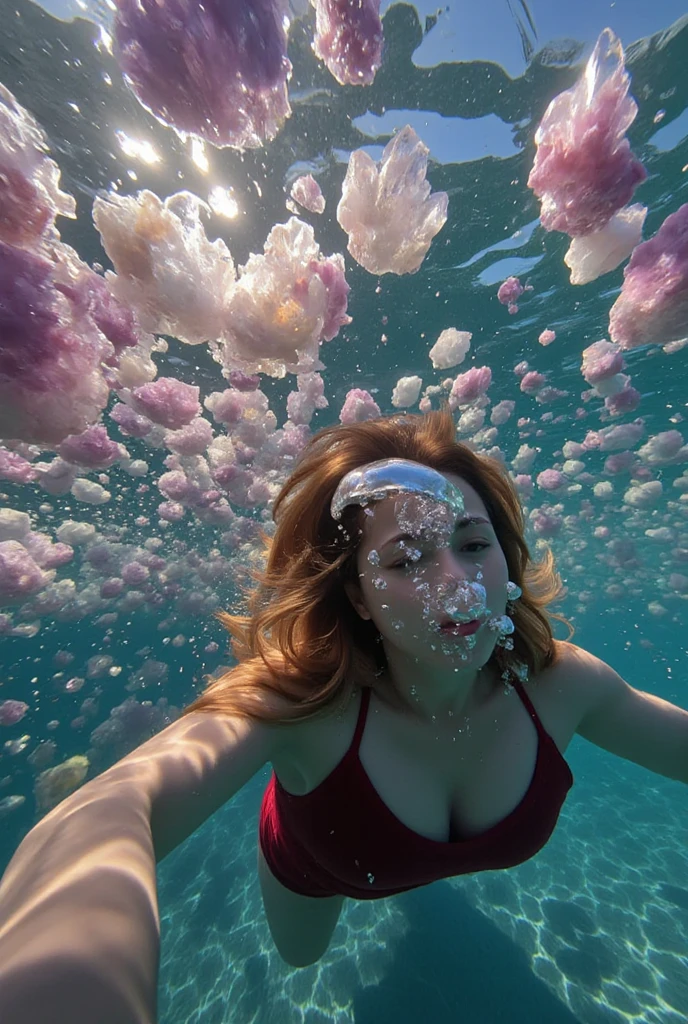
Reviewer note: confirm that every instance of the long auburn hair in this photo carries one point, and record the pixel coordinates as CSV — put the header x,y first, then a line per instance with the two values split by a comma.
x,y
302,647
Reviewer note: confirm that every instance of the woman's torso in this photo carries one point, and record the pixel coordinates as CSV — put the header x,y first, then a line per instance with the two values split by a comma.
x,y
455,780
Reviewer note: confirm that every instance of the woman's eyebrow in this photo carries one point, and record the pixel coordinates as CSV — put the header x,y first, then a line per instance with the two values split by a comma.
x,y
461,524
471,521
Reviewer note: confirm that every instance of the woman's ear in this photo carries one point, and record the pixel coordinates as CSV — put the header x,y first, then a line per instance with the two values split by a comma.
x,y
353,592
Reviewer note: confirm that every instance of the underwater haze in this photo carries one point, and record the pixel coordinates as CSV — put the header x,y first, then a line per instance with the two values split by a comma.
x,y
207,284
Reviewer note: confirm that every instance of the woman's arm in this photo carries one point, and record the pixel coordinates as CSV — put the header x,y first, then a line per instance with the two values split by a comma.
x,y
79,926
629,723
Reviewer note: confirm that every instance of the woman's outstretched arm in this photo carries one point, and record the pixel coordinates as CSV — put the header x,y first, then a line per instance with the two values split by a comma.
x,y
79,926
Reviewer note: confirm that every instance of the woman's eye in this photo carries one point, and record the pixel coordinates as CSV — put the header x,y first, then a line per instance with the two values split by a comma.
x,y
479,544
472,547
406,563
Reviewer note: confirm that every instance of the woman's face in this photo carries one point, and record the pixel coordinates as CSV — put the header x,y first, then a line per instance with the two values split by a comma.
x,y
430,580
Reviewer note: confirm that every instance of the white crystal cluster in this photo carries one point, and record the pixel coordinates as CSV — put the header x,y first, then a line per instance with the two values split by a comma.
x,y
388,210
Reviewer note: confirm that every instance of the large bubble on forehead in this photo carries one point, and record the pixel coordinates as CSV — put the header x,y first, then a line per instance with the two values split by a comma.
x,y
381,479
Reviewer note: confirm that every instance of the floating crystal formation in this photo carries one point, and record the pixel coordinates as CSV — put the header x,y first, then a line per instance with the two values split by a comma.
x,y
450,349
359,406
306,192
169,402
12,711
653,304
30,196
387,209
54,784
51,384
177,281
470,386
218,70
509,291
128,363
302,404
92,449
591,256
15,468
601,361
584,170
349,38
20,574
286,302
406,392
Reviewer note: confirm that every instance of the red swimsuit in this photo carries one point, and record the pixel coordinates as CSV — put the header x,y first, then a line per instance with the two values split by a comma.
x,y
341,838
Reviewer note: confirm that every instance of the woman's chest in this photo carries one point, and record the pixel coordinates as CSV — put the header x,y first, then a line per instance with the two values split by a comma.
x,y
440,782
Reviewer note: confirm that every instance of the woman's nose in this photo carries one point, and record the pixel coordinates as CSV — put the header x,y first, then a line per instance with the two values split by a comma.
x,y
453,566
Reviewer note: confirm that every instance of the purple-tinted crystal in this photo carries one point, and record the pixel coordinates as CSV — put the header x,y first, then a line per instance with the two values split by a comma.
x,y
218,69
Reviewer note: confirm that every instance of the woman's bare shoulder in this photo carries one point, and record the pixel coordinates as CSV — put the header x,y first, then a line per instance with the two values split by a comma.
x,y
571,675
570,657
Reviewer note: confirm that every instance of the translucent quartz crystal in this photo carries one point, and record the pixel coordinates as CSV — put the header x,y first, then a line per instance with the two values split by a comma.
x,y
30,197
306,192
348,38
653,304
387,209
601,361
177,281
218,70
406,392
287,301
591,256
584,170
450,349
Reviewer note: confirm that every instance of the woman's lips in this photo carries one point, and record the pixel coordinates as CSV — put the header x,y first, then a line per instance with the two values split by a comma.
x,y
463,629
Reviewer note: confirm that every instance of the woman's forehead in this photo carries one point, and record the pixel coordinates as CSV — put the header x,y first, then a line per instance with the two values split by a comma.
x,y
397,510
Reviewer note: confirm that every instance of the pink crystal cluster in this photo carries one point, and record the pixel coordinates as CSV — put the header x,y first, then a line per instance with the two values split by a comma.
x,y
30,197
218,70
178,281
51,383
306,192
509,291
287,301
584,169
12,711
349,38
64,339
653,304
602,368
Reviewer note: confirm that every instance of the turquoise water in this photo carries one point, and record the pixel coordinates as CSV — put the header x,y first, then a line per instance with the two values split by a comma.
x,y
595,928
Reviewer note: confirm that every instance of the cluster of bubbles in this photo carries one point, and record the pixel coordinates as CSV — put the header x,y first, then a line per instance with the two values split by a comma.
x,y
90,431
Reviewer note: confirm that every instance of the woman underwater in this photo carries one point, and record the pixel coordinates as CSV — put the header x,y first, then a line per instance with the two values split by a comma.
x,y
397,669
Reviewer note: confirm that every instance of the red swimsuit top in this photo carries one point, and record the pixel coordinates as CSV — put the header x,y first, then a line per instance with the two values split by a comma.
x,y
342,839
